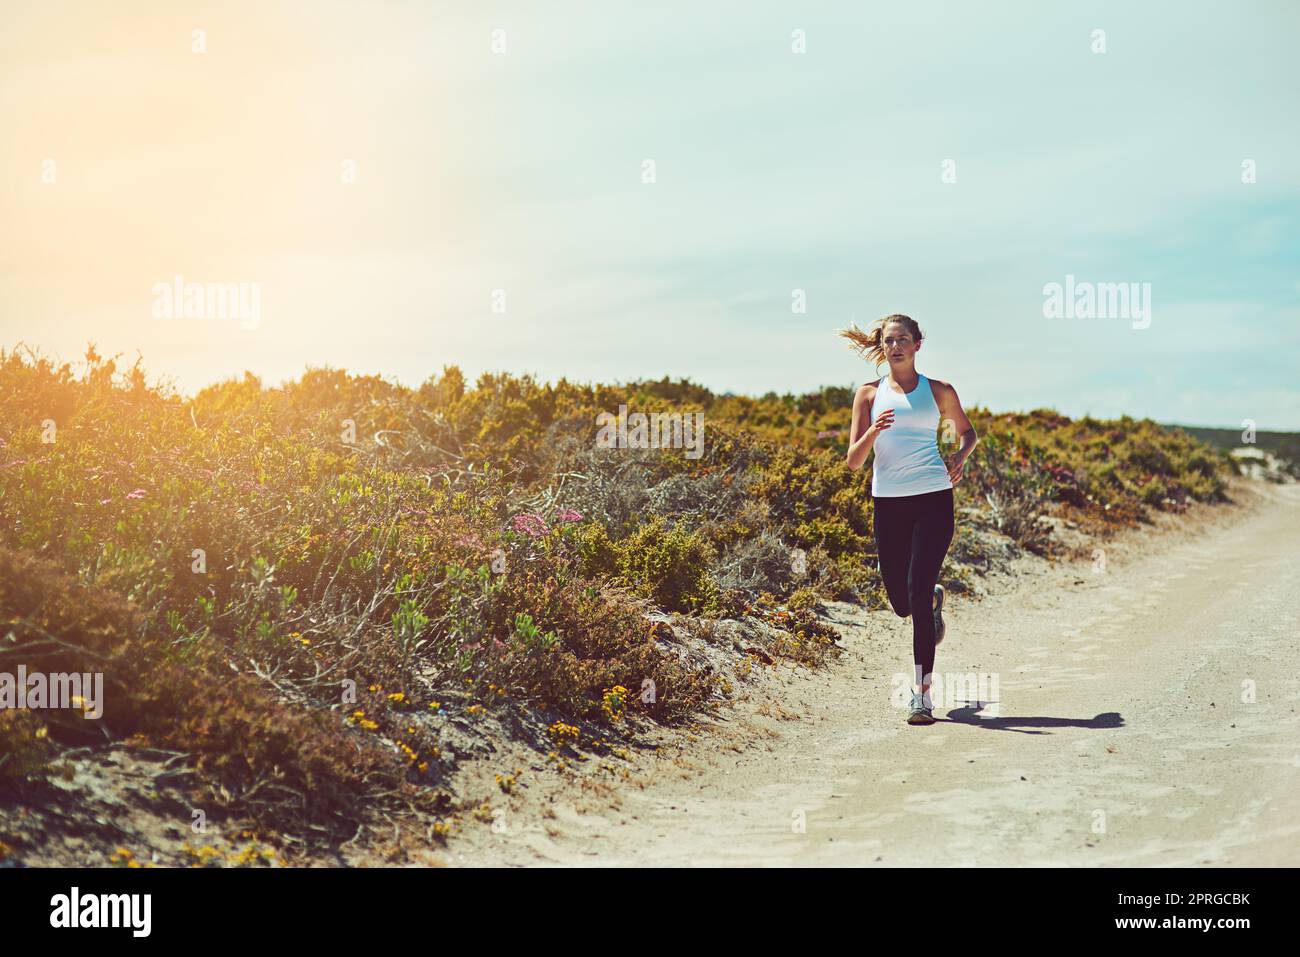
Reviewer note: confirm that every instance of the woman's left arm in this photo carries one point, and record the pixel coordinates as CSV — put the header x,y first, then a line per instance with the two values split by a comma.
x,y
953,417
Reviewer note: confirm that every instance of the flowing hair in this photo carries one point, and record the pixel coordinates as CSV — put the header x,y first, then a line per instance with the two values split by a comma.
x,y
870,344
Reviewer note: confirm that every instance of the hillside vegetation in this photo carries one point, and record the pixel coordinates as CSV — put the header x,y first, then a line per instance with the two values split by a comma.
x,y
1283,447
303,591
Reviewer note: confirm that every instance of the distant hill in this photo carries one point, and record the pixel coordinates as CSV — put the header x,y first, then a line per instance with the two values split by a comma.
x,y
1283,446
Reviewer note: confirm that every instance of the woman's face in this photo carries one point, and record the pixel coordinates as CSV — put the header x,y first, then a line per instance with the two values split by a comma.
x,y
898,345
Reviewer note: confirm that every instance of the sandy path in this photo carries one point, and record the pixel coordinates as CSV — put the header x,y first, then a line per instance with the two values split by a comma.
x,y
1120,707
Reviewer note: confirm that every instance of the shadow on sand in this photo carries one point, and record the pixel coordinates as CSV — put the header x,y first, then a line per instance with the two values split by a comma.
x,y
970,714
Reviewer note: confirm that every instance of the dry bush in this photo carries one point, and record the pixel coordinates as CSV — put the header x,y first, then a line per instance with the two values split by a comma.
x,y
250,755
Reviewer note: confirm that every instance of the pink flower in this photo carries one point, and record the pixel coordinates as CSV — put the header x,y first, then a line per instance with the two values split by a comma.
x,y
138,493
531,525
105,501
568,515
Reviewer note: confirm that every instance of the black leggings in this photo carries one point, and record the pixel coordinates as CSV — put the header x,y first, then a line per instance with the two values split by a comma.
x,y
912,537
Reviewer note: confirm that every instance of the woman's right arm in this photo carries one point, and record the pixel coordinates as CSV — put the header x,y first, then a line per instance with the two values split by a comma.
x,y
862,436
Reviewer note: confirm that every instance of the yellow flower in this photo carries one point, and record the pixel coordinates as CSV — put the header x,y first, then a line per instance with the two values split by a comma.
x,y
563,734
613,702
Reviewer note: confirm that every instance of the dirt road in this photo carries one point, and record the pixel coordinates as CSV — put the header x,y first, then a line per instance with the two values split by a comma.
x,y
1125,730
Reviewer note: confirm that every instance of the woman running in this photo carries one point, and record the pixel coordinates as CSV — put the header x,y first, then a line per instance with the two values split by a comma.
x,y
911,487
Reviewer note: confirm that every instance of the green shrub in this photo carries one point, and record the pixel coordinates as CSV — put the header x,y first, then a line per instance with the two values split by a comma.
x,y
670,566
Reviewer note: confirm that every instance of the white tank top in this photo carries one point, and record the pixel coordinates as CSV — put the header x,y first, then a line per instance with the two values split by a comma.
x,y
907,454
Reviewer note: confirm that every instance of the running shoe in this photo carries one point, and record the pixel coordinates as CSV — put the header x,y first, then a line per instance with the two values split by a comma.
x,y
920,712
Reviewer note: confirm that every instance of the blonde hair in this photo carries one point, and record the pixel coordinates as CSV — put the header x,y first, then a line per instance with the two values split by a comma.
x,y
870,344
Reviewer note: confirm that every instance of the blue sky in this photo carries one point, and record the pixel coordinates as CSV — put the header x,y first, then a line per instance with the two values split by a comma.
x,y
775,171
